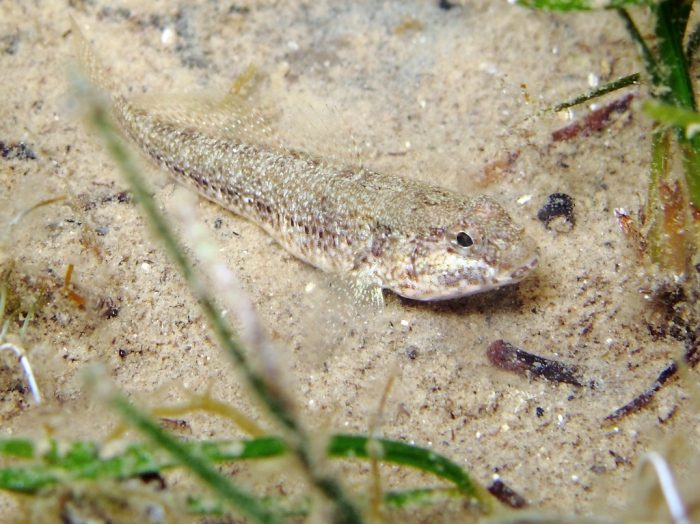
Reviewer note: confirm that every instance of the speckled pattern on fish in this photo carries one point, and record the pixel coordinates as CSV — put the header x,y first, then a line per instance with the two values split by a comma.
x,y
382,231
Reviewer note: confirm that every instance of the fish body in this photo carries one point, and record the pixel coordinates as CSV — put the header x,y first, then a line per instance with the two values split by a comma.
x,y
383,232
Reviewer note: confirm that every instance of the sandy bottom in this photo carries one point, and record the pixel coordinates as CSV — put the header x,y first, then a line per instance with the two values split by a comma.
x,y
433,94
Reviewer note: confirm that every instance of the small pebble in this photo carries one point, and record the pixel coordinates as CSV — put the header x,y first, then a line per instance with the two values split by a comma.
x,y
412,352
167,37
558,213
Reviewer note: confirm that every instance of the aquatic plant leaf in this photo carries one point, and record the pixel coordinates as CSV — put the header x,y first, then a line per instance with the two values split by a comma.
x,y
356,446
86,460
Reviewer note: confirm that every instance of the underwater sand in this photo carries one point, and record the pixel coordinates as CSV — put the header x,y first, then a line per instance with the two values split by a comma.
x,y
432,94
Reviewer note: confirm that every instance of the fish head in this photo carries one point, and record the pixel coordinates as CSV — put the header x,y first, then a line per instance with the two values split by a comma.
x,y
471,248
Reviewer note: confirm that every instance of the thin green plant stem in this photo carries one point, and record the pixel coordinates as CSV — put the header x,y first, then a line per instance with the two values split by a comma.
x,y
660,147
30,316
5,327
659,160
578,5
650,63
209,475
625,81
278,406
690,148
209,405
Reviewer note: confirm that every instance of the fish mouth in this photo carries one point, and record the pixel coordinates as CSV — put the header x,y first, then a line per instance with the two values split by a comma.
x,y
513,276
460,288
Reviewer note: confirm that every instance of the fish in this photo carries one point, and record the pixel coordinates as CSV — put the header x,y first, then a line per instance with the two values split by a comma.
x,y
380,231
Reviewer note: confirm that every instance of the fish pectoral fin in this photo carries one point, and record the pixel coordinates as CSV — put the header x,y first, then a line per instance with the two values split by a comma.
x,y
367,288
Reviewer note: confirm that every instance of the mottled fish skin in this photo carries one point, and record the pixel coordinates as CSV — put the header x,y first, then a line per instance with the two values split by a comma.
x,y
383,232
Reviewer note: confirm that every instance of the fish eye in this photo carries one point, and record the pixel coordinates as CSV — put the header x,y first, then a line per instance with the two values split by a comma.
x,y
464,239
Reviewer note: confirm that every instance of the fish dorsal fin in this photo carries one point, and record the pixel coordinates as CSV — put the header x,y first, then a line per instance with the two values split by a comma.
x,y
230,116
87,60
217,115
320,130
225,115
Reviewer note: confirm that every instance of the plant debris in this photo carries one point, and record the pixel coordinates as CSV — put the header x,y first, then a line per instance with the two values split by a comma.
x,y
507,495
597,120
692,356
632,231
506,356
